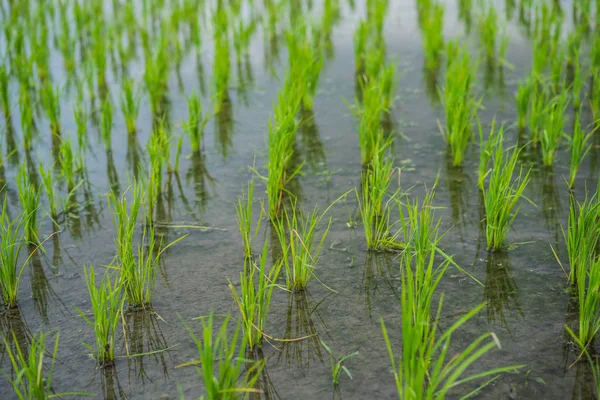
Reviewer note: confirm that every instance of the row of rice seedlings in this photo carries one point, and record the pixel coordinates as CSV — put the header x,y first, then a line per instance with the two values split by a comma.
x,y
30,381
107,301
376,205
424,368
244,211
29,197
300,244
282,133
580,146
222,361
368,36
460,105
502,194
254,297
552,129
306,62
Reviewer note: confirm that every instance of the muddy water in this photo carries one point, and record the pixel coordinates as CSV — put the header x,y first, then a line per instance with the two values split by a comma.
x,y
523,288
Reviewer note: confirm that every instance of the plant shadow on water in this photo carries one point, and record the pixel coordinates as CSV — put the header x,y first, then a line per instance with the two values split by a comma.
x,y
13,326
201,179
144,339
458,181
378,268
303,345
264,386
224,125
111,386
40,286
312,144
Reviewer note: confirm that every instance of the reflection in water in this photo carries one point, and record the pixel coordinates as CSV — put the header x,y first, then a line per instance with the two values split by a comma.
x,y
13,328
551,205
245,77
378,269
40,286
500,292
224,124
112,174
133,156
430,79
464,14
201,179
144,336
111,387
264,385
459,182
300,323
585,381
314,150
12,153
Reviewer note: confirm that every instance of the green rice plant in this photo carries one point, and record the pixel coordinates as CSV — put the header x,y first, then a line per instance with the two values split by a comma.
x,y
502,194
486,149
306,62
48,183
254,297
553,126
361,37
244,213
540,97
460,106
158,150
4,91
594,100
375,210
196,123
130,105
300,244
580,146
370,132
67,164
30,381
51,103
425,369
80,116
107,305
11,245
222,362
579,78
488,30
27,124
337,364
432,30
523,97
107,123
29,197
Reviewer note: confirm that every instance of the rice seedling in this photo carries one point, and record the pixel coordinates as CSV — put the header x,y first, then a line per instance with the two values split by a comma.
x,y
51,103
488,30
432,29
254,296
107,305
12,244
485,151
306,62
425,369
27,122
460,106
67,164
539,100
502,195
107,123
4,91
300,244
580,146
30,381
370,132
48,183
29,196
244,211
553,126
337,364
130,105
375,210
222,361
523,97
80,116
196,123
594,100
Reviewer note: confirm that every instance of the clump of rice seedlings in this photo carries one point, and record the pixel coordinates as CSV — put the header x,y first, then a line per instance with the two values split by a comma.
x,y
30,381
432,31
130,105
588,293
196,123
488,30
29,197
254,298
375,210
244,213
107,305
222,362
222,66
522,98
80,116
158,151
579,78
460,106
539,100
337,365
370,132
26,112
107,123
580,146
48,183
486,149
553,126
306,62
11,245
502,195
51,103
300,244
67,164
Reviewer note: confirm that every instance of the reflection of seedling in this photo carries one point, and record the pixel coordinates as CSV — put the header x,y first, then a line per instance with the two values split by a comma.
x,y
337,365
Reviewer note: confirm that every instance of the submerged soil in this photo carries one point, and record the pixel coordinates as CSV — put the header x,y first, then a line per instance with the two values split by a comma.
x,y
523,287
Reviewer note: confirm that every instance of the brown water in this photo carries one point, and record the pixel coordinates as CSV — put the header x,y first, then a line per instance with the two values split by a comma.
x,y
524,288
